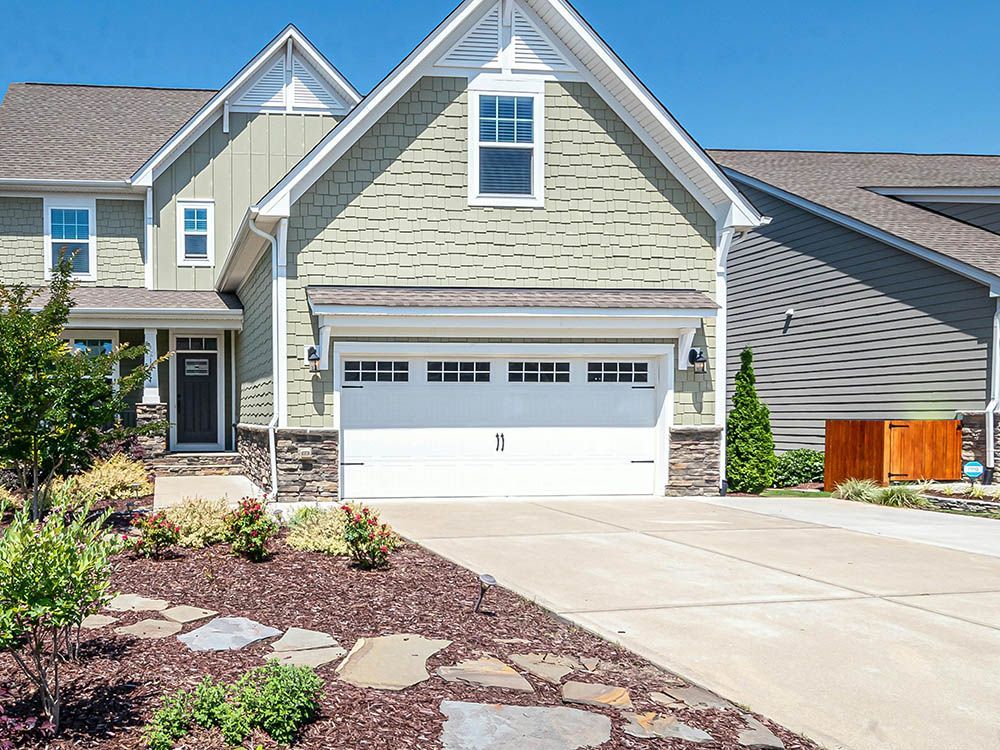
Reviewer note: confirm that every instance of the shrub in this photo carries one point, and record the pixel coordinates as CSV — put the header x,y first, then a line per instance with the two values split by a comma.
x,y
8,500
368,541
858,490
317,530
249,528
201,523
750,456
157,534
117,477
53,575
277,699
798,466
900,496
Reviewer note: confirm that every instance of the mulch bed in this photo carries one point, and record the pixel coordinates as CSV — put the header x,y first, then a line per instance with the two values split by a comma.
x,y
119,681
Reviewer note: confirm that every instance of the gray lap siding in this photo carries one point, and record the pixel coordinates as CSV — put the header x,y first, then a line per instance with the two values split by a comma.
x,y
876,332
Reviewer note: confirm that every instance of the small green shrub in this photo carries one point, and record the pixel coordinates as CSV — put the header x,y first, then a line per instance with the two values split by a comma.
x,y
170,723
317,530
858,490
249,528
977,492
115,478
369,542
900,496
157,534
799,466
749,441
207,702
201,522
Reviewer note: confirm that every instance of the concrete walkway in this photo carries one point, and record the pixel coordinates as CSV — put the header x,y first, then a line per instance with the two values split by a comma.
x,y
862,627
171,491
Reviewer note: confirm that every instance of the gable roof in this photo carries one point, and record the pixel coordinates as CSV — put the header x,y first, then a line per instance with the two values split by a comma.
x,y
600,67
102,133
846,183
214,107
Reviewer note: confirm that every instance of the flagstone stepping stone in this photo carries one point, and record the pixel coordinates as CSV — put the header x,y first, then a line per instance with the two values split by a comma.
x,y
93,622
226,634
653,725
389,662
310,657
185,614
486,672
476,726
549,667
300,639
692,697
136,603
758,737
151,629
595,694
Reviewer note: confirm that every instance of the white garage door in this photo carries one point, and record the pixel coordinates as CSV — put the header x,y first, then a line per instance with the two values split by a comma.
x,y
478,427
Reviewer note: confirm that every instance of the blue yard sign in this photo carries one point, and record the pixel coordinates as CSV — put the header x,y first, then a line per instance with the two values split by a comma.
x,y
973,470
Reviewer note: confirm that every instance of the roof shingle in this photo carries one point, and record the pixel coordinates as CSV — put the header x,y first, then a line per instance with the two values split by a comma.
x,y
68,132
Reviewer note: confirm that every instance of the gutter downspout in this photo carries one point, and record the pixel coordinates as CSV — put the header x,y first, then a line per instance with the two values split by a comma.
x,y
272,425
725,242
991,407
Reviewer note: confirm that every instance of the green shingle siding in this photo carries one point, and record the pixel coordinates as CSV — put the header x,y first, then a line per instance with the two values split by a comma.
x,y
121,231
394,210
253,347
21,240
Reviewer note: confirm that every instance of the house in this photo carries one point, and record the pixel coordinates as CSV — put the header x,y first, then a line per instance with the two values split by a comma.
x,y
872,293
500,272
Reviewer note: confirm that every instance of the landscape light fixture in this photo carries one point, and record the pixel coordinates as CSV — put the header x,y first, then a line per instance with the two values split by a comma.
x,y
697,358
313,356
486,582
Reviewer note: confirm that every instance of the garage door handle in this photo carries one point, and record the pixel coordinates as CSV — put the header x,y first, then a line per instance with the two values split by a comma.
x,y
498,443
503,443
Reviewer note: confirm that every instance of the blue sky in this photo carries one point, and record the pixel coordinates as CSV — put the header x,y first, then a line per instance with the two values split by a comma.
x,y
849,75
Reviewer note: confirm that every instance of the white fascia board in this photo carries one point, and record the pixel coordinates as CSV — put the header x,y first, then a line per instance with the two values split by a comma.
x,y
522,312
238,265
942,194
205,117
932,256
156,318
115,188
421,60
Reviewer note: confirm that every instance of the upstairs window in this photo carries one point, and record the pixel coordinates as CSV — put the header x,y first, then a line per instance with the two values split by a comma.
x,y
69,234
505,144
195,245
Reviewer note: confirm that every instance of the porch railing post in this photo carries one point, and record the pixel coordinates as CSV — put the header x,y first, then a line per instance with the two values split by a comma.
x,y
151,389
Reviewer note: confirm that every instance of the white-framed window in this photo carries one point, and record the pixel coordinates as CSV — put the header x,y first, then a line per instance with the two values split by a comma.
x,y
70,232
94,343
506,141
195,233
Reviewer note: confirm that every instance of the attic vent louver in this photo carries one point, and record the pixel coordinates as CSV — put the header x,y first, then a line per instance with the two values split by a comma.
x,y
308,92
480,48
268,90
532,49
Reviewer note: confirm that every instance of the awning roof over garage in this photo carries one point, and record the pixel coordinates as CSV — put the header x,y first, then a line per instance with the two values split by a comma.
x,y
469,297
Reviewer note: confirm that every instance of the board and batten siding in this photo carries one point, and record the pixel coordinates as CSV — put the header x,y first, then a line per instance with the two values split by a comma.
x,y
983,215
119,228
253,346
877,333
234,170
394,211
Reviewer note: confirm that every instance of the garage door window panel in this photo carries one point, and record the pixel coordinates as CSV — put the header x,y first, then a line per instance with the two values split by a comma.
x,y
458,372
617,372
376,371
538,372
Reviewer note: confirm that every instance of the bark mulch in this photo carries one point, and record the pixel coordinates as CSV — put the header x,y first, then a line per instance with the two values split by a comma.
x,y
119,681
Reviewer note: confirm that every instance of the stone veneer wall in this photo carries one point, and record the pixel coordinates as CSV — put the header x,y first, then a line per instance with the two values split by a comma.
x,y
694,461
974,437
308,461
154,445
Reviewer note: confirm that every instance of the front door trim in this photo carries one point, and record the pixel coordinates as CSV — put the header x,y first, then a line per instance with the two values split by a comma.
x,y
663,354
220,443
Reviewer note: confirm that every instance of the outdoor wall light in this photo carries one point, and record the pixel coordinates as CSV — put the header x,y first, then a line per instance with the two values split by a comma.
x,y
697,358
486,582
312,355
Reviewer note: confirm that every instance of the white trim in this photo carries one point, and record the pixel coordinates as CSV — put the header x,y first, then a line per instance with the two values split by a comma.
x,y
280,269
932,256
87,186
232,389
102,318
73,334
664,355
942,194
220,363
147,258
494,85
209,260
724,243
55,202
212,110
151,388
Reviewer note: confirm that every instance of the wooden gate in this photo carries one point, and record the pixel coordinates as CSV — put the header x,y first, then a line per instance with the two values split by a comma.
x,y
892,450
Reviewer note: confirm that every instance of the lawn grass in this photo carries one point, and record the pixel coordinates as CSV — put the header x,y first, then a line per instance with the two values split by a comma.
x,y
795,493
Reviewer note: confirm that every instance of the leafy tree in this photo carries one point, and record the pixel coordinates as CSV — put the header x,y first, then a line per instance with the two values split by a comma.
x,y
750,459
52,575
57,406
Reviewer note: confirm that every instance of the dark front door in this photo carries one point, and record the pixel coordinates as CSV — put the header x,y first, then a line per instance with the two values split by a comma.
x,y
197,398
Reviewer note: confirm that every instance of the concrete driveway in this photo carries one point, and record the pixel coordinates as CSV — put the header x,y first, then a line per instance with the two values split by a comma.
x,y
861,627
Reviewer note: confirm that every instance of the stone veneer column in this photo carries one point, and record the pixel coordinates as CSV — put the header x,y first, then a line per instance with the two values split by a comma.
x,y
694,460
308,461
153,444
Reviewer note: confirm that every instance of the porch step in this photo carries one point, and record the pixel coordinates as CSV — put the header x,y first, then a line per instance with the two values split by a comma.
x,y
220,463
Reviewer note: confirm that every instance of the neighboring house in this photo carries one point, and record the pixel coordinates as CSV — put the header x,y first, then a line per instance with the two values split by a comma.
x,y
501,272
872,292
